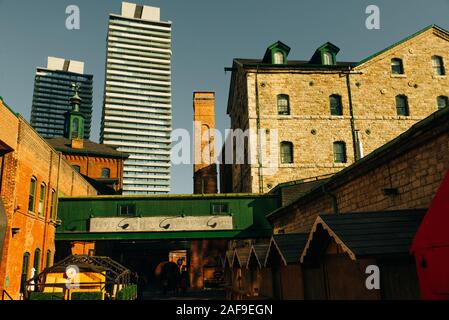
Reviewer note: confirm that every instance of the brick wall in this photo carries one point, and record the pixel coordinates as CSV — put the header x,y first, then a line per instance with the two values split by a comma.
x,y
414,165
92,166
30,157
373,91
205,172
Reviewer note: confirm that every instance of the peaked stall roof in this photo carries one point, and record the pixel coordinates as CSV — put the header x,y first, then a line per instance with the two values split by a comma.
x,y
259,251
241,255
367,233
289,246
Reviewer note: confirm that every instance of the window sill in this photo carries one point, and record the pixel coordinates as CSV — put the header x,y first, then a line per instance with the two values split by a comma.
x,y
398,76
287,165
438,76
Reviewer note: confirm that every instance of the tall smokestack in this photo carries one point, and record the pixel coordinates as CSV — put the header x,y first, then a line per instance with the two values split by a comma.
x,y
205,167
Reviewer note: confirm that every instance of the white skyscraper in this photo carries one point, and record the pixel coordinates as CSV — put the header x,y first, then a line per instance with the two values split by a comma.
x,y
137,100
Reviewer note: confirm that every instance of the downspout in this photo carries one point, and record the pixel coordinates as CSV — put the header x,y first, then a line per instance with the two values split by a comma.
x,y
259,147
56,205
351,113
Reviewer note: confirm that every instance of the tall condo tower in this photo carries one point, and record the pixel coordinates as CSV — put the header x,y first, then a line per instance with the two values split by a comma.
x,y
137,101
53,89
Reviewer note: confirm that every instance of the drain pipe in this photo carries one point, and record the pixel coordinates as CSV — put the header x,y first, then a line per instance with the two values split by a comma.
x,y
259,147
351,113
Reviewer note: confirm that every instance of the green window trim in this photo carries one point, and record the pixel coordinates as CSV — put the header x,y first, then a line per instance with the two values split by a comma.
x,y
32,195
336,105
438,66
283,104
42,194
402,107
333,58
340,152
48,259
127,210
397,66
286,152
37,259
25,270
53,205
219,208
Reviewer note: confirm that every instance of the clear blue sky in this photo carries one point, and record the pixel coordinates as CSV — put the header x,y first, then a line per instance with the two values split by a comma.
x,y
207,35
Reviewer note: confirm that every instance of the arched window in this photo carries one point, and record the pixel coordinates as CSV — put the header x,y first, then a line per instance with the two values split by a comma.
x,y
396,66
105,173
340,152
327,58
32,196
286,152
402,108
278,57
438,66
53,205
41,207
48,259
25,270
442,102
336,105
37,259
75,125
283,103
77,168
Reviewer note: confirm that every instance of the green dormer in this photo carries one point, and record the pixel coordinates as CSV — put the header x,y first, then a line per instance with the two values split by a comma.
x,y
325,55
276,53
74,123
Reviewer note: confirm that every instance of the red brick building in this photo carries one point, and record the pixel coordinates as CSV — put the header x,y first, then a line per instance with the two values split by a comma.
x,y
32,176
100,164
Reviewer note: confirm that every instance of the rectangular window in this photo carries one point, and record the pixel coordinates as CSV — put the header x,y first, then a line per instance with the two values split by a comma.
x,y
219,208
339,152
31,198
402,106
286,152
127,209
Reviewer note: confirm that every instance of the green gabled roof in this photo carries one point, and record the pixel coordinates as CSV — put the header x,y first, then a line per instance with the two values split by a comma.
x,y
401,41
171,196
8,107
364,234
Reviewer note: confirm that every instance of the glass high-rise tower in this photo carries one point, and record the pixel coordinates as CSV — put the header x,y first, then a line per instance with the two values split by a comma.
x,y
53,89
137,100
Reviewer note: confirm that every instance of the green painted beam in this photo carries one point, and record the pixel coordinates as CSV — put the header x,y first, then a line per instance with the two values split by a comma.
x,y
86,236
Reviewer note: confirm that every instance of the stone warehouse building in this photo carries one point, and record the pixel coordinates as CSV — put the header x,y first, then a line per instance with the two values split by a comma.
x,y
32,176
367,214
328,113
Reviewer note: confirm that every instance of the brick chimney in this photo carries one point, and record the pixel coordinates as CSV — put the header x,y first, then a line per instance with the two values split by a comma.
x,y
205,167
